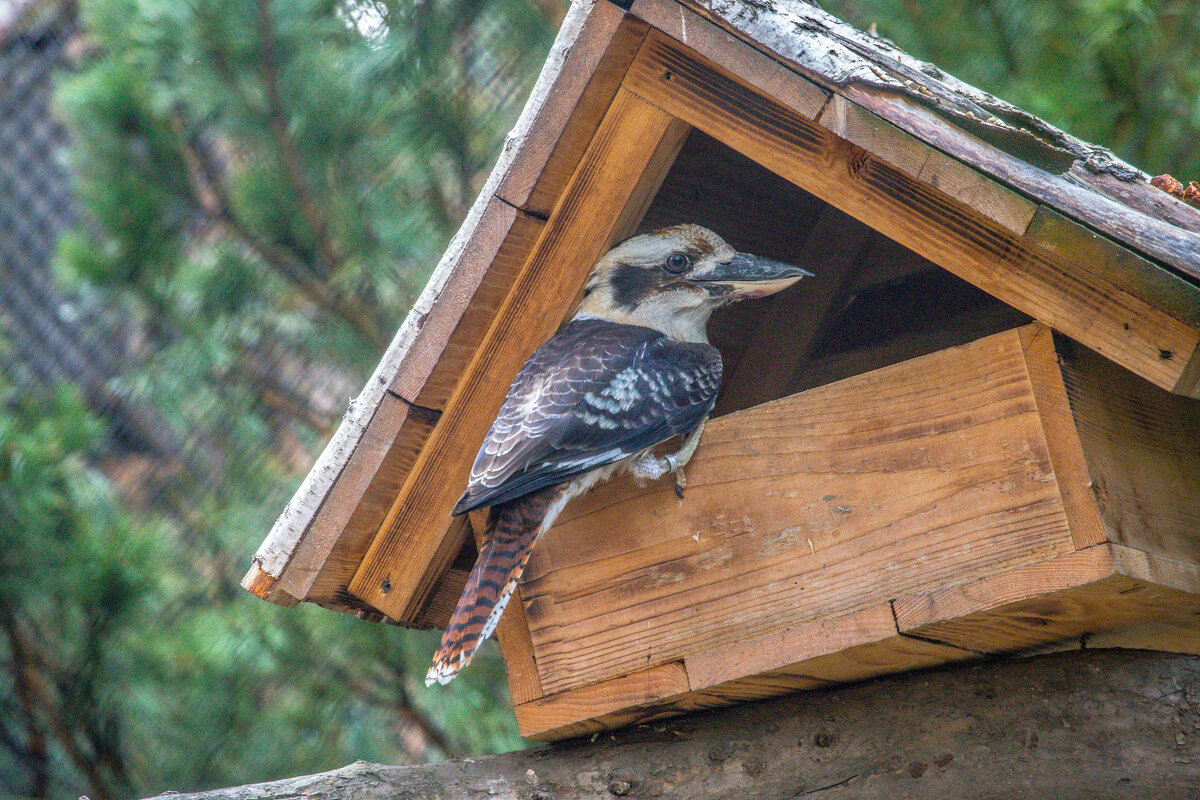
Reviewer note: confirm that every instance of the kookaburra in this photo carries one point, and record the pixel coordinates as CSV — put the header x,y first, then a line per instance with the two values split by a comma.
x,y
632,369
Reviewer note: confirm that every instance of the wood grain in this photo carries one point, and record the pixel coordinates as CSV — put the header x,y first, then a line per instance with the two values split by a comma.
x,y
916,214
923,474
1062,438
1100,588
340,531
1142,446
620,701
692,31
412,547
459,320
585,83
917,159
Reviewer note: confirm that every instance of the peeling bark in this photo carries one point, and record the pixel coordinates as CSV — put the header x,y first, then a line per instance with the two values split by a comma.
x,y
1084,724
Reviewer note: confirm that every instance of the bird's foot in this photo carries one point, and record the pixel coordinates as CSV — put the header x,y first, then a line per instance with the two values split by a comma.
x,y
650,467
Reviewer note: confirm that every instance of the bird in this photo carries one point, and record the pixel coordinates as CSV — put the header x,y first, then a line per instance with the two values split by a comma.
x,y
631,369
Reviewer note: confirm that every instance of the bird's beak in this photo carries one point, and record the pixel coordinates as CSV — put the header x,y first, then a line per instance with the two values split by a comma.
x,y
745,276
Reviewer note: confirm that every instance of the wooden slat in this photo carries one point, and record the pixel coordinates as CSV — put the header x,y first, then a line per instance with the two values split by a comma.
x,y
1062,438
459,320
913,157
914,213
585,82
1179,634
1100,588
343,526
781,342
923,474
837,649
694,32
412,547
1143,450
620,701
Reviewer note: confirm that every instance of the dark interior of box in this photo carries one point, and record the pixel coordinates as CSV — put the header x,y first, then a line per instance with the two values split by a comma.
x,y
871,303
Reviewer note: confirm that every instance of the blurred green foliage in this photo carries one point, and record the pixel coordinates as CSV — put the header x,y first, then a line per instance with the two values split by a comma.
x,y
269,185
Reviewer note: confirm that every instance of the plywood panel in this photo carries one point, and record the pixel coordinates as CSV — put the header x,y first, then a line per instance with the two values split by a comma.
x,y
414,545
924,474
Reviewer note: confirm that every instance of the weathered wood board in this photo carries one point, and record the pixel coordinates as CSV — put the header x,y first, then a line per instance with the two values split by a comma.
x,y
930,511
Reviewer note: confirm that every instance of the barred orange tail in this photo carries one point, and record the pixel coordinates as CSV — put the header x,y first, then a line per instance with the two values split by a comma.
x,y
512,528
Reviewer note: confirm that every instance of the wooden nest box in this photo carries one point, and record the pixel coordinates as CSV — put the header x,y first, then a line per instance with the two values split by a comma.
x,y
974,431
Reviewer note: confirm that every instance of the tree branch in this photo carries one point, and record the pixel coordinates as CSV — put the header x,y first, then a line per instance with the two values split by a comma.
x,y
1092,723
277,119
213,202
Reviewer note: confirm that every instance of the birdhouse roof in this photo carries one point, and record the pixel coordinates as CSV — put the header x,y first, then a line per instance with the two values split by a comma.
x,y
1064,197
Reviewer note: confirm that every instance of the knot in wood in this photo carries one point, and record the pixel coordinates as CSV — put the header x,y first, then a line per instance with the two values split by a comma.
x,y
823,739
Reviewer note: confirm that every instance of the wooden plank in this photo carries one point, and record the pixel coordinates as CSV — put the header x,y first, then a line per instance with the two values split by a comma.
x,y
837,649
917,159
612,703
1142,446
342,527
585,79
1098,254
1103,587
781,342
1179,634
1062,438
720,47
923,474
266,586
458,322
916,214
412,547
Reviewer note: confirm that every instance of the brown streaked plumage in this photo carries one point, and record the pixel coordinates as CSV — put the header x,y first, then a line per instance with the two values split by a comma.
x,y
632,369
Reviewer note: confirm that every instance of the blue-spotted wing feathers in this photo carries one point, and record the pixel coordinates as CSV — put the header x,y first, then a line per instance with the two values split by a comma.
x,y
593,394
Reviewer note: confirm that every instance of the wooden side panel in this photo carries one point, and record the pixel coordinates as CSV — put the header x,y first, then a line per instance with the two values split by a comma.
x,y
929,473
1143,450
920,216
413,546
1101,588
853,647
839,649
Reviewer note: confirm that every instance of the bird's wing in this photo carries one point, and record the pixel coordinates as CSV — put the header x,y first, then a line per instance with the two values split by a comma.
x,y
593,394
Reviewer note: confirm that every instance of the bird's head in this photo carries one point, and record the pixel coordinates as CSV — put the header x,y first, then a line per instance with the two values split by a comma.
x,y
672,279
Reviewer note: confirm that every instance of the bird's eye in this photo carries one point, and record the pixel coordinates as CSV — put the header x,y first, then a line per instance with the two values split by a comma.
x,y
678,262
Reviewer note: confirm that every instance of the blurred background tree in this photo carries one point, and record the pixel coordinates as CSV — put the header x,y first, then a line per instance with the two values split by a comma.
x,y
214,216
